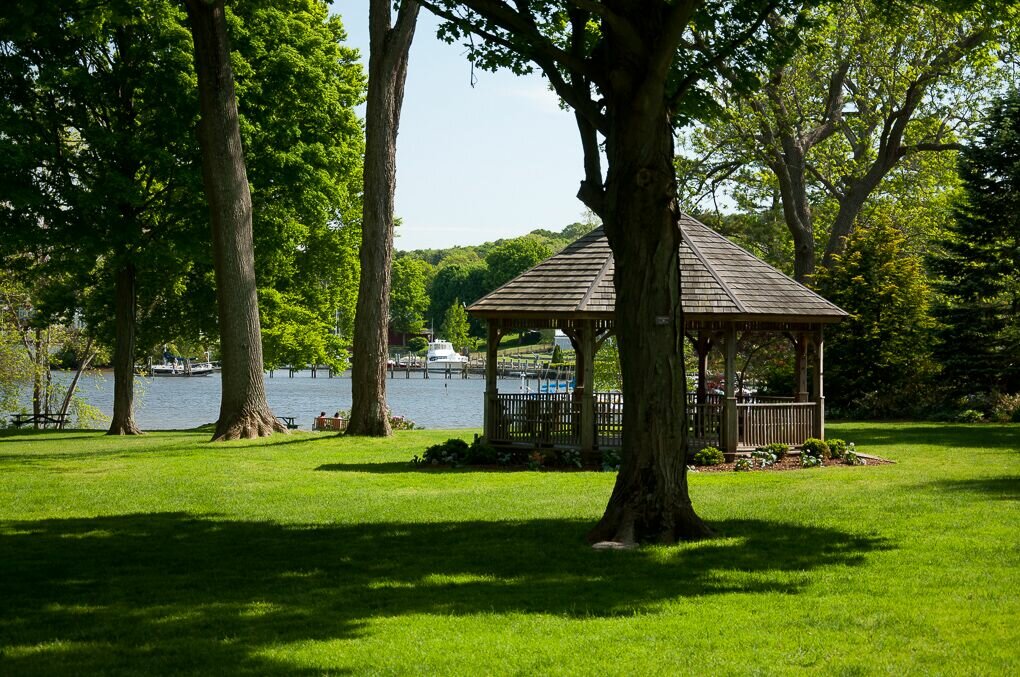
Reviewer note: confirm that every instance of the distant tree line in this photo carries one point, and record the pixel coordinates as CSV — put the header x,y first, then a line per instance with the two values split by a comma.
x,y
427,283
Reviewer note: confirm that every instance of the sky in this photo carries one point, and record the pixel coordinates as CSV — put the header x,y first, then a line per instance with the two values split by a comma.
x,y
474,165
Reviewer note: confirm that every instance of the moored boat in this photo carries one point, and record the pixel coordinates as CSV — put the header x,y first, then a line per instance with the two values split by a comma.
x,y
441,356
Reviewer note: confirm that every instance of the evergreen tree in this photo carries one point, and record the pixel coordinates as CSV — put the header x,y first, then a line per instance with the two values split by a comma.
x,y
979,265
877,360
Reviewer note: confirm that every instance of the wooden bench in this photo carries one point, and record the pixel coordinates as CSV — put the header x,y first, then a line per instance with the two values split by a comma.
x,y
336,424
44,419
288,421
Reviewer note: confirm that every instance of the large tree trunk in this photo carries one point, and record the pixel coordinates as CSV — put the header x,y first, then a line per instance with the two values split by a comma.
x,y
650,502
244,411
387,72
125,300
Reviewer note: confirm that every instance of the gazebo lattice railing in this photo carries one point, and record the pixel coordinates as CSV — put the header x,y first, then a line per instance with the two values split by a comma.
x,y
725,289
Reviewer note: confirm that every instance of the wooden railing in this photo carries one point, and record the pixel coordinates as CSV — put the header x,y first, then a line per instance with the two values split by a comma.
x,y
539,419
609,420
554,419
789,423
704,425
712,398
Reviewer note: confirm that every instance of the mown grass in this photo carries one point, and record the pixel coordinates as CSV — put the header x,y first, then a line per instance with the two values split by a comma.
x,y
310,554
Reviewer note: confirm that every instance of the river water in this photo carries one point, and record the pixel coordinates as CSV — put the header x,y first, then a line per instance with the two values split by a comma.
x,y
180,403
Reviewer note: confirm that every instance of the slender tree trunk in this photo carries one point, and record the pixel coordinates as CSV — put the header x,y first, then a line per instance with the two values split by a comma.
x,y
82,366
37,376
650,502
125,299
244,411
387,72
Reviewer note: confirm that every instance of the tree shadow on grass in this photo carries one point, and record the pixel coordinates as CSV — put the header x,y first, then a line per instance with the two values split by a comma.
x,y
995,488
980,436
151,593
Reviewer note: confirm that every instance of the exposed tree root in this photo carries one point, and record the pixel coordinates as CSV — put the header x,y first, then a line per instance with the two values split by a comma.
x,y
369,426
627,523
127,427
248,425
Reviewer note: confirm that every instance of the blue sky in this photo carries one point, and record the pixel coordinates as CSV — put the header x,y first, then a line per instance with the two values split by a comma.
x,y
476,164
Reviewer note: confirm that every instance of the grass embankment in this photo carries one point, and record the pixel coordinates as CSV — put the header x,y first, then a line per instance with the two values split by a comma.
x,y
310,554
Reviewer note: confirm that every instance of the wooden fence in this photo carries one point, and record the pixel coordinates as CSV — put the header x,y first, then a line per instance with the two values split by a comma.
x,y
789,423
542,420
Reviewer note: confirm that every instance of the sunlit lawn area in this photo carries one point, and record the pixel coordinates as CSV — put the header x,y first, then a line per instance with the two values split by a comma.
x,y
311,554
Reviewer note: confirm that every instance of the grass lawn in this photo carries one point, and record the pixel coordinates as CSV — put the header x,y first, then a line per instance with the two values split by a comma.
x,y
310,554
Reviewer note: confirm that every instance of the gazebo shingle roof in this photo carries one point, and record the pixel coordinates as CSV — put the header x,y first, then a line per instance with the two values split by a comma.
x,y
718,279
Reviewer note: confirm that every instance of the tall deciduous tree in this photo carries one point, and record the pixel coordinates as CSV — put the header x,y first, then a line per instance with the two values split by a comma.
x,y
94,128
389,44
631,71
409,299
244,411
979,263
869,91
511,258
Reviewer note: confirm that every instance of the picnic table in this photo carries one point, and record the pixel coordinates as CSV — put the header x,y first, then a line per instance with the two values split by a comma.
x,y
289,422
44,419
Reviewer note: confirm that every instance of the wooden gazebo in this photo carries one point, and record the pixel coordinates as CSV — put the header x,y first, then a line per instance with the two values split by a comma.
x,y
725,290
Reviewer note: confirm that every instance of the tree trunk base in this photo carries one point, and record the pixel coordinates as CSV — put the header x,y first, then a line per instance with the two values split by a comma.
x,y
124,428
640,518
369,427
248,425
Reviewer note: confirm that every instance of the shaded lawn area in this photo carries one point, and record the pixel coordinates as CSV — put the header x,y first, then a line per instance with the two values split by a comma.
x,y
311,554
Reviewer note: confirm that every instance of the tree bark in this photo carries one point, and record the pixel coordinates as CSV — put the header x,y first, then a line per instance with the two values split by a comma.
x,y
125,300
650,502
387,73
244,411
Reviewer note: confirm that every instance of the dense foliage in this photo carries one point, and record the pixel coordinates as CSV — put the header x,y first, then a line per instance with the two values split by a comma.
x,y
878,359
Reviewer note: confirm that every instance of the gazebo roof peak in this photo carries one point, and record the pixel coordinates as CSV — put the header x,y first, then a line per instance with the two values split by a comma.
x,y
719,280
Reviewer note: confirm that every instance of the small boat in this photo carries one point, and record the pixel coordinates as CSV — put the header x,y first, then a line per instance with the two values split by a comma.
x,y
441,356
175,365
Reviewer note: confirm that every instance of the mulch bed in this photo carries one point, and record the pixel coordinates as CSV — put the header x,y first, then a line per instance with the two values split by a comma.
x,y
788,462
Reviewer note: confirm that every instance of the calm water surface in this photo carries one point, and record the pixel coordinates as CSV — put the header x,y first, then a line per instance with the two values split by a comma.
x,y
167,403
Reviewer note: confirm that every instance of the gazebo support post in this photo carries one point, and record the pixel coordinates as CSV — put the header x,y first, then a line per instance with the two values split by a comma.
x,y
586,381
730,425
491,388
702,346
819,385
800,343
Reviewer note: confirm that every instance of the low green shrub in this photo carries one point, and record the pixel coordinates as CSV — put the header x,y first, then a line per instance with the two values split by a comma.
x,y
610,460
536,460
837,447
777,449
761,458
709,456
852,458
482,453
743,465
1006,408
809,461
570,458
969,416
815,447
451,452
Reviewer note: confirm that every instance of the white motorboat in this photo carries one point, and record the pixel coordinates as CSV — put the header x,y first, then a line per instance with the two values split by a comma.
x,y
178,366
441,356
